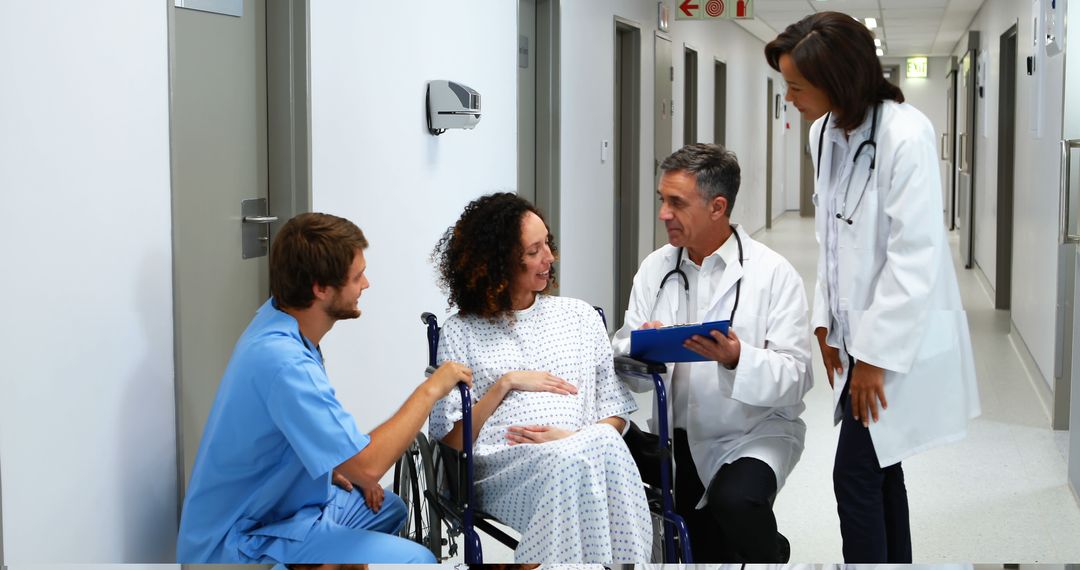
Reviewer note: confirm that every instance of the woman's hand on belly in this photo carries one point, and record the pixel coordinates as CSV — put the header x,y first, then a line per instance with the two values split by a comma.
x,y
537,381
535,434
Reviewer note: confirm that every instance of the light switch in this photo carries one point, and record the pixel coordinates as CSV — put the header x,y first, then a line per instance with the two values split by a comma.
x,y
604,146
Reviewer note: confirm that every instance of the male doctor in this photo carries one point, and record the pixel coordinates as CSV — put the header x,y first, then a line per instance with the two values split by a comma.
x,y
735,416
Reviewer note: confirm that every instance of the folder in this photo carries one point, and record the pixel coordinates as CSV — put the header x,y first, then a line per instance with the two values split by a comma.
x,y
666,344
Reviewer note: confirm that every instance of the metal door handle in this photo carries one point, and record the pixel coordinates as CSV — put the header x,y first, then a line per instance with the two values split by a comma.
x,y
260,219
1064,199
944,149
963,152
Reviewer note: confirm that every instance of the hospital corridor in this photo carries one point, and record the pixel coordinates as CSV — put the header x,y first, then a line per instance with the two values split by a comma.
x,y
356,281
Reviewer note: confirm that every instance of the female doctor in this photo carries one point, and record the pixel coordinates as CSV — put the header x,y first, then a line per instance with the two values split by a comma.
x,y
887,310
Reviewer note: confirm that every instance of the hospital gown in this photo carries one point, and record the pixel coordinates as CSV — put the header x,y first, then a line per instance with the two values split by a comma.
x,y
577,499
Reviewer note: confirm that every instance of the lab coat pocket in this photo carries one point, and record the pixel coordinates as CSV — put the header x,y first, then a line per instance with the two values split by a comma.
x,y
939,333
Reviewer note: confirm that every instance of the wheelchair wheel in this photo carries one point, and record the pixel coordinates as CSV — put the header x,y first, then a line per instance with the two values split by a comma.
x,y
414,474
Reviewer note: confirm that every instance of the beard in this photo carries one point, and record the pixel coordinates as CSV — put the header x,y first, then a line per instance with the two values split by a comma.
x,y
341,309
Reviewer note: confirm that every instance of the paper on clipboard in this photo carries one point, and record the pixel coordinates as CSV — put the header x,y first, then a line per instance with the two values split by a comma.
x,y
666,344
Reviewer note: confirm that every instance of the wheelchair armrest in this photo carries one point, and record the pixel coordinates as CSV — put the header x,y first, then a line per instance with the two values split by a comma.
x,y
627,364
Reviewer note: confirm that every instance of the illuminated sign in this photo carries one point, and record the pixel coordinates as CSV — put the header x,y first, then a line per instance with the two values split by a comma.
x,y
916,67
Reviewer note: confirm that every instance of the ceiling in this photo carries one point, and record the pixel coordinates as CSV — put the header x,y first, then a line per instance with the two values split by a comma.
x,y
905,27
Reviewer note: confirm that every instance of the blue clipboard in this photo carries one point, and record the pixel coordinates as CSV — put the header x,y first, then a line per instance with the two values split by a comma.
x,y
666,344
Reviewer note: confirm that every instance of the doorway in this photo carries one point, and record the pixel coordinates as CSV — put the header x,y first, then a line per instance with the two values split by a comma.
x,y
806,171
949,143
690,89
1006,168
237,83
663,78
627,91
769,105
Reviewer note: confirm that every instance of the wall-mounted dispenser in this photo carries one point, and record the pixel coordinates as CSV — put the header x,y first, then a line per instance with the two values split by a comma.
x,y
451,105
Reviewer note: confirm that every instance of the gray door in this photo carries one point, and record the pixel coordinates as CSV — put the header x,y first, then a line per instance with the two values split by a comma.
x,y
218,121
965,154
663,77
1067,361
720,102
690,92
948,145
627,93
768,153
526,100
1005,161
806,173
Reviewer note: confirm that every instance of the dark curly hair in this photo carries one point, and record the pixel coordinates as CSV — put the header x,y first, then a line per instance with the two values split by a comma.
x,y
478,256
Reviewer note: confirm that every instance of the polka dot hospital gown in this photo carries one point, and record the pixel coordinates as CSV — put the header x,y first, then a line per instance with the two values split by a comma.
x,y
577,499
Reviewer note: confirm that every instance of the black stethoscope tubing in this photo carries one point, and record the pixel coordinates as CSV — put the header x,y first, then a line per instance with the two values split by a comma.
x,y
871,143
686,280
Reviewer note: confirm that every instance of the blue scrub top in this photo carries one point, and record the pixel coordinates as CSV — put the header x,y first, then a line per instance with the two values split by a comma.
x,y
274,435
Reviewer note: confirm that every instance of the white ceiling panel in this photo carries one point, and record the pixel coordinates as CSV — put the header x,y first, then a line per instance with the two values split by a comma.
x,y
909,27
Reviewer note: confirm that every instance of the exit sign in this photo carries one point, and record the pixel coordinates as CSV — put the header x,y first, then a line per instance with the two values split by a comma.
x,y
916,67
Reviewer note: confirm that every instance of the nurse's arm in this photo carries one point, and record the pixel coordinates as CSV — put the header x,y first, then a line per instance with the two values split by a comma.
x,y
390,440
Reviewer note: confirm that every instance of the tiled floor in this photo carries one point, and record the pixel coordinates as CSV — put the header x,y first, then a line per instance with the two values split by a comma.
x,y
1000,495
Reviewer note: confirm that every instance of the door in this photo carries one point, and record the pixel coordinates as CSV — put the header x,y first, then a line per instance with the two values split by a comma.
x,y
1005,161
948,144
806,172
690,92
663,77
538,107
1067,361
220,117
965,154
720,102
627,90
768,152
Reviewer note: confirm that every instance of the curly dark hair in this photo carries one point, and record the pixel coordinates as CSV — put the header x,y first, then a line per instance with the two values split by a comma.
x,y
478,256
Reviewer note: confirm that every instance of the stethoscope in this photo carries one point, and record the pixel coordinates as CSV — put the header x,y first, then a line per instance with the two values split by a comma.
x,y
870,143
686,280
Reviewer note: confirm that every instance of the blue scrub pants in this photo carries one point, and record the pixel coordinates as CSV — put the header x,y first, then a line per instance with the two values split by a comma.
x,y
871,500
350,532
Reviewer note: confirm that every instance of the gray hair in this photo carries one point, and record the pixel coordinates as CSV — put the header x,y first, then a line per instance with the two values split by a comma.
x,y
715,170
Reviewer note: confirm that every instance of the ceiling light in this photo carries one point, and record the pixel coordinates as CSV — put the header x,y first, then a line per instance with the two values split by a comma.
x,y
880,52
871,23
877,42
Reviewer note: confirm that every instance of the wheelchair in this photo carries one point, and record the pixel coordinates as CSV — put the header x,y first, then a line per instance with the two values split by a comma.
x,y
436,481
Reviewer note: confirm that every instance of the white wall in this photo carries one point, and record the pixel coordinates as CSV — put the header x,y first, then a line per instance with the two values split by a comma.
x,y
374,162
1036,179
929,95
588,41
87,437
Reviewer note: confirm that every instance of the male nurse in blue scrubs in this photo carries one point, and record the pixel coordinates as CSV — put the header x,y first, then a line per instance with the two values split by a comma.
x,y
283,474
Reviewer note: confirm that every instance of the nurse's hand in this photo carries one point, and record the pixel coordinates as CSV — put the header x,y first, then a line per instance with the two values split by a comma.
x,y
830,355
867,389
535,434
447,376
652,325
537,381
339,480
373,496
722,348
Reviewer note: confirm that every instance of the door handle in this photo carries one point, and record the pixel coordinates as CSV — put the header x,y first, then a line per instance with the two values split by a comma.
x,y
260,219
944,149
963,152
1064,197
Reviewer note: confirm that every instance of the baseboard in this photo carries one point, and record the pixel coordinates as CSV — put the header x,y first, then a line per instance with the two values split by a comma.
x,y
1035,377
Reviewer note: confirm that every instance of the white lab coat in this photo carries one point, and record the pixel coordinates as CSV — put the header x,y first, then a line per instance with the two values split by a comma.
x,y
895,280
741,412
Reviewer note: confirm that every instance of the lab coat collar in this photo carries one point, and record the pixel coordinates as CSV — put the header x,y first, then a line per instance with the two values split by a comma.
x,y
733,270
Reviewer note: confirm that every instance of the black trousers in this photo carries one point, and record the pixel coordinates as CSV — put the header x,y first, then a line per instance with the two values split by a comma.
x,y
871,500
737,524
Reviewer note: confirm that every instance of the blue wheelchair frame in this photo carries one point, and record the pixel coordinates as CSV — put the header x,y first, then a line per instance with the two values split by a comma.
x,y
673,524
